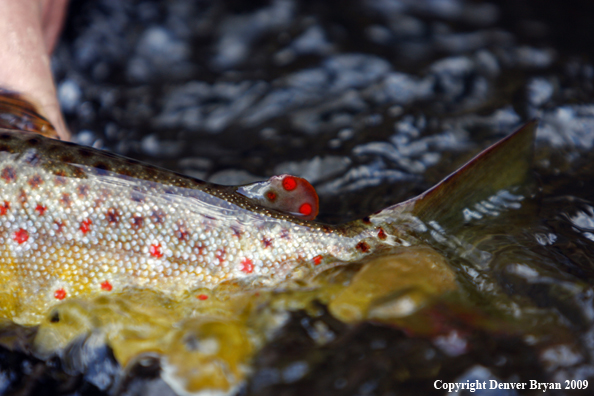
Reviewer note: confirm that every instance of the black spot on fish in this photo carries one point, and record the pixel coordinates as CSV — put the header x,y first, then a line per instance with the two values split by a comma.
x,y
366,220
5,136
66,200
236,231
67,157
78,172
82,190
35,181
8,174
125,172
53,148
85,153
34,141
60,177
363,247
285,234
112,216
101,168
137,222
137,196
158,216
32,157
23,197
109,155
266,242
182,232
150,173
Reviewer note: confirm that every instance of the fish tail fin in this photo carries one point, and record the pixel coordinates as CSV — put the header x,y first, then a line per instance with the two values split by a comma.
x,y
16,112
472,190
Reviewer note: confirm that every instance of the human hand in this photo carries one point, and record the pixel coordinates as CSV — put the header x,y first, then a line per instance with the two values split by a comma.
x,y
29,30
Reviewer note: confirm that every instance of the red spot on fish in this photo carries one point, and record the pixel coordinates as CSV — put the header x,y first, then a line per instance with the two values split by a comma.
x,y
271,195
21,236
40,209
60,294
381,234
85,226
155,250
363,247
106,286
4,208
137,222
220,255
66,201
317,260
202,297
82,190
35,181
267,242
289,183
112,216
305,209
8,174
247,266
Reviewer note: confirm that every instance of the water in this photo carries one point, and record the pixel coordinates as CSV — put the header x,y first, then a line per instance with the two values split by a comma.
x,y
374,101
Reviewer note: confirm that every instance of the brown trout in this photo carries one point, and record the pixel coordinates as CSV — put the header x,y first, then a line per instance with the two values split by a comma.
x,y
76,221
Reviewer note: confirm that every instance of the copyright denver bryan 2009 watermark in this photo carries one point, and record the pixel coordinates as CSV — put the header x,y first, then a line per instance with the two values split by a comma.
x,y
473,386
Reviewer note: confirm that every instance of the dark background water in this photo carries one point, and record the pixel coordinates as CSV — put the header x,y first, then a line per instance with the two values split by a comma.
x,y
372,101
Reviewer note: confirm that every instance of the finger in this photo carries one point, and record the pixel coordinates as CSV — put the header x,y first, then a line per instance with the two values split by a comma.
x,y
25,65
52,21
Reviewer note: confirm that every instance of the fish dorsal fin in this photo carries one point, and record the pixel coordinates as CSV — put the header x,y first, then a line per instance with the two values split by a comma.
x,y
501,167
286,193
18,113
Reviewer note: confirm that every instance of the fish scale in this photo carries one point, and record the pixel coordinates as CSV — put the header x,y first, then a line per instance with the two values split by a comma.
x,y
80,222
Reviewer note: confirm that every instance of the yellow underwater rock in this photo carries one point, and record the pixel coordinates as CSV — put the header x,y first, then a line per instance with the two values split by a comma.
x,y
394,286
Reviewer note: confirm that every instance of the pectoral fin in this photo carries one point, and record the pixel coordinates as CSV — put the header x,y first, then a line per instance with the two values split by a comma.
x,y
18,113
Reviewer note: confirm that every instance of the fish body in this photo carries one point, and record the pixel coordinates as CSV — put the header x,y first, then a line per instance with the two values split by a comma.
x,y
75,221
